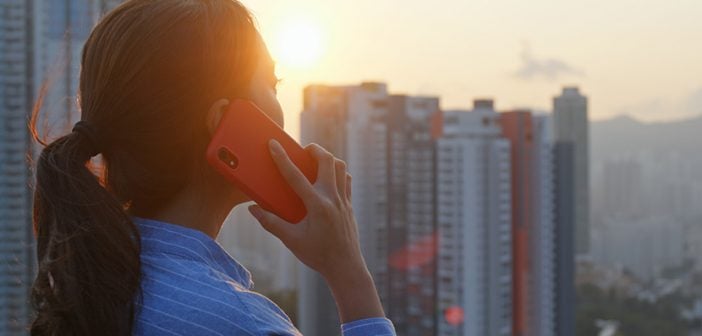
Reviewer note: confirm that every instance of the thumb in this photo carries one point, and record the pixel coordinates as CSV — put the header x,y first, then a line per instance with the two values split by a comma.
x,y
271,222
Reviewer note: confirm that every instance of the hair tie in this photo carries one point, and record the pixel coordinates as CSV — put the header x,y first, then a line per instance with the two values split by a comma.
x,y
87,130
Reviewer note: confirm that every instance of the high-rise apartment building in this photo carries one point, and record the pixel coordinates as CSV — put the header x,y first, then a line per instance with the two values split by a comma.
x,y
474,262
517,127
16,95
408,282
533,229
544,234
564,185
571,126
349,122
40,42
388,142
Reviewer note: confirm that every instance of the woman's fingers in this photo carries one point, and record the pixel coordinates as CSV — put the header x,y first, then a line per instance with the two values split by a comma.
x,y
272,223
325,169
340,174
295,178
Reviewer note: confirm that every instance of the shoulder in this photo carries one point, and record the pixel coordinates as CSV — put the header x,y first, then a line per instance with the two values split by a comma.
x,y
189,297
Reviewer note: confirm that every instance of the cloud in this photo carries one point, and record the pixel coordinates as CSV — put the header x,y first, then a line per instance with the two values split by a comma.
x,y
547,68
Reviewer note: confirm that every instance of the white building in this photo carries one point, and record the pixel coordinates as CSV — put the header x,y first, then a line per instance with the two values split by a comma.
x,y
474,220
543,238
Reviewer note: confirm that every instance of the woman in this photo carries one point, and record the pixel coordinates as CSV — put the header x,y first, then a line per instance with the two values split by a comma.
x,y
134,252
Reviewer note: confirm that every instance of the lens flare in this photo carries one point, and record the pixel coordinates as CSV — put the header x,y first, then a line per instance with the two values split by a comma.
x,y
298,44
454,315
416,254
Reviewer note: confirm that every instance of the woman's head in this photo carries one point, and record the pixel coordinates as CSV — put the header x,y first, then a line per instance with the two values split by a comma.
x,y
154,76
151,72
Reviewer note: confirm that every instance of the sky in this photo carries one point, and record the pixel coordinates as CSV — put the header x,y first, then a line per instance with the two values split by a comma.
x,y
637,57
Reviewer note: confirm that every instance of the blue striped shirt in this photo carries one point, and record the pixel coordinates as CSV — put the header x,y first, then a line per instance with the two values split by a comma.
x,y
191,286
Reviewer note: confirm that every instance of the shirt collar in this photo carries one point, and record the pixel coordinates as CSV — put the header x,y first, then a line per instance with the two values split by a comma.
x,y
159,237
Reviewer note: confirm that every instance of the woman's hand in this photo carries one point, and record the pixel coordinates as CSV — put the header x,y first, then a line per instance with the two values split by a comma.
x,y
326,240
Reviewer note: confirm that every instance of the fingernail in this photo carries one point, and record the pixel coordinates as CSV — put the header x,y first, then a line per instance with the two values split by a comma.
x,y
274,146
255,211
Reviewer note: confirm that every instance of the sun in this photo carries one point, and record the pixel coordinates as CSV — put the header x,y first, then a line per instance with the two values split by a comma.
x,y
298,44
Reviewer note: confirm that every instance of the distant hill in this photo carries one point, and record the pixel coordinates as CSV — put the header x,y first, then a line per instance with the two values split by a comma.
x,y
625,135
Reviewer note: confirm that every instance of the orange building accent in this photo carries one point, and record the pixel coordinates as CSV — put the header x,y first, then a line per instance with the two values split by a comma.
x,y
517,127
437,124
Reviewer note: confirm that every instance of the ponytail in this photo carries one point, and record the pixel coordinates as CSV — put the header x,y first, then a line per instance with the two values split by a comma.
x,y
87,247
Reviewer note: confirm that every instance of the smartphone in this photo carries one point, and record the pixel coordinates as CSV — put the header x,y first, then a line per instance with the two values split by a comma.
x,y
239,151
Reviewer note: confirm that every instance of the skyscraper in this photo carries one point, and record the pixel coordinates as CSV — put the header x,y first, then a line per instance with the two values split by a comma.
x,y
571,126
533,229
348,121
544,234
39,39
61,28
474,262
565,237
16,95
518,128
408,282
388,142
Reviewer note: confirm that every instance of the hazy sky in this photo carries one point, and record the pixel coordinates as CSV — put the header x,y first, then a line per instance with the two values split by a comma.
x,y
639,57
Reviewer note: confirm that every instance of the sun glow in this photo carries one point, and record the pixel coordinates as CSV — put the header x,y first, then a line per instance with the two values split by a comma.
x,y
298,44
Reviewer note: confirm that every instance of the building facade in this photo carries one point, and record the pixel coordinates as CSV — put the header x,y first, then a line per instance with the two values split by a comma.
x,y
564,184
570,116
16,98
544,235
474,262
408,283
388,142
517,127
348,121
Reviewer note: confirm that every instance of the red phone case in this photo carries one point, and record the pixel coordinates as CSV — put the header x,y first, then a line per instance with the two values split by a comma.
x,y
239,151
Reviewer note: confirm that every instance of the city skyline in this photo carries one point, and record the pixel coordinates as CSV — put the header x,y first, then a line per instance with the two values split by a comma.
x,y
457,211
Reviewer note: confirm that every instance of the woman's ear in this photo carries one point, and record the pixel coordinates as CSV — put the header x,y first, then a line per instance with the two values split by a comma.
x,y
214,115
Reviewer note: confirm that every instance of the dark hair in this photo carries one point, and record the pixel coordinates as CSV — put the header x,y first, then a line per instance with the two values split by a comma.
x,y
150,70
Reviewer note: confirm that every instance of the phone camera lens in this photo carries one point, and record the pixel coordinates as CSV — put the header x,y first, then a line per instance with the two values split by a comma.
x,y
228,158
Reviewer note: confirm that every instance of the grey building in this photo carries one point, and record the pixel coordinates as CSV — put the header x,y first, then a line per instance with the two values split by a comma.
x,y
408,284
40,43
565,238
571,126
16,95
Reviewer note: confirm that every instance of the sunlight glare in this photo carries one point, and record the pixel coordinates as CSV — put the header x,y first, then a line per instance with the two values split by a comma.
x,y
298,44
